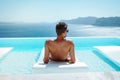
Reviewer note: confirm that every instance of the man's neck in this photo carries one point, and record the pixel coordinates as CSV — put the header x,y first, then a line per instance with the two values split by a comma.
x,y
60,38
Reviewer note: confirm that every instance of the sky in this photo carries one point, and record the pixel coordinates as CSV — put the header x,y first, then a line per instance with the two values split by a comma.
x,y
55,10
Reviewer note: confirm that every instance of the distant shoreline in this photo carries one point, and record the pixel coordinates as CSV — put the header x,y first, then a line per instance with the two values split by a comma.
x,y
102,21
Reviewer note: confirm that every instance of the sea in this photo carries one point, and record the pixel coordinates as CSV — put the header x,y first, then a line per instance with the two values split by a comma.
x,y
8,30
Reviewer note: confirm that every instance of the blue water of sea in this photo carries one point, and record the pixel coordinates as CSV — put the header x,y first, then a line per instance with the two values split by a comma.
x,y
48,30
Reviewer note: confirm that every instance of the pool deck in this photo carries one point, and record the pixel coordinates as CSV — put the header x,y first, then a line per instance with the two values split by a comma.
x,y
112,52
4,51
65,76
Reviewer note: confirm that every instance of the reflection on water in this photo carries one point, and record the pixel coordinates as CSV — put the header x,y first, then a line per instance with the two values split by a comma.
x,y
89,30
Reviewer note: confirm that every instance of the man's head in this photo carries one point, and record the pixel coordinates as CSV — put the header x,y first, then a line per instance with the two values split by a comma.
x,y
61,29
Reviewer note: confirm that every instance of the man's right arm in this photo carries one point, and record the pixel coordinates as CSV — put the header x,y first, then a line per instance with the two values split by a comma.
x,y
72,54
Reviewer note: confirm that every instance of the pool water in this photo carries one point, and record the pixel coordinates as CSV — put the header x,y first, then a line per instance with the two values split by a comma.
x,y
26,51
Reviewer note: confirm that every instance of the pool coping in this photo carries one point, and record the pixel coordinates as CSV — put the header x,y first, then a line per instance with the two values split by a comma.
x,y
65,76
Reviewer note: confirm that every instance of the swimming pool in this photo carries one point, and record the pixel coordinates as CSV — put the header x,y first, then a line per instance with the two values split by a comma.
x,y
26,51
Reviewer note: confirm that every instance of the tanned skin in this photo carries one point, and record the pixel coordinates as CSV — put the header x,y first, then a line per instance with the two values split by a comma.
x,y
59,50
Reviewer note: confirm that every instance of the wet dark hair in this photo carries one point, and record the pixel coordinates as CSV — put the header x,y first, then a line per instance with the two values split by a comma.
x,y
61,27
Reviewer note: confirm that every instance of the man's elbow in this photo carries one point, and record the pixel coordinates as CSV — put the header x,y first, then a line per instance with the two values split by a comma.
x,y
46,61
72,61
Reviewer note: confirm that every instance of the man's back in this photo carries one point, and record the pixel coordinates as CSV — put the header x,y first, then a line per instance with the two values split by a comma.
x,y
59,50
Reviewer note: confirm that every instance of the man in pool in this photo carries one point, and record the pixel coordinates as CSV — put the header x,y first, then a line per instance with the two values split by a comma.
x,y
59,49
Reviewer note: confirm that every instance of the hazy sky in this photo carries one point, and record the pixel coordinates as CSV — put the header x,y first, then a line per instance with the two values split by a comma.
x,y
55,10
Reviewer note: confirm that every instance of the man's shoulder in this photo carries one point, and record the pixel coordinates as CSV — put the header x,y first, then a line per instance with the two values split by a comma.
x,y
48,41
70,42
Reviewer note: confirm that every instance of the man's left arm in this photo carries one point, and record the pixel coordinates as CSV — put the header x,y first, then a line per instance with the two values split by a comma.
x,y
46,54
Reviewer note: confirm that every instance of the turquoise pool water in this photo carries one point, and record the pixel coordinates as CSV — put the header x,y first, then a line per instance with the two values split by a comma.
x,y
26,52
